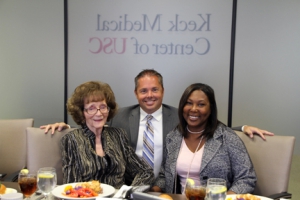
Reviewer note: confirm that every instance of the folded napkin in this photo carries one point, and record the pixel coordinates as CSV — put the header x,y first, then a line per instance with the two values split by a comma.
x,y
123,192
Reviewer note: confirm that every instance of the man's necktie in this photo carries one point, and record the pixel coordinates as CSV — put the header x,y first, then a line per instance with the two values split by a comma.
x,y
148,143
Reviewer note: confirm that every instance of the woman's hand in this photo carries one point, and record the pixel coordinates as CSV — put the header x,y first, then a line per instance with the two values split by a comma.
x,y
230,192
57,126
155,189
251,130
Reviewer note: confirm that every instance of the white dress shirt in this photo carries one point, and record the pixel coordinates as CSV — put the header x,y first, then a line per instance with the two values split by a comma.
x,y
158,137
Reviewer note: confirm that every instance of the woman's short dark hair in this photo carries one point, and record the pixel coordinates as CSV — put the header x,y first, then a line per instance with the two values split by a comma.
x,y
212,121
91,91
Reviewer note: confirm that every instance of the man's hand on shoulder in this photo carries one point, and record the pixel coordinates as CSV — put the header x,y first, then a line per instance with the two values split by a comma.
x,y
251,130
57,126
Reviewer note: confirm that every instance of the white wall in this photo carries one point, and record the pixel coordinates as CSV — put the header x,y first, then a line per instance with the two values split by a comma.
x,y
32,60
178,70
267,66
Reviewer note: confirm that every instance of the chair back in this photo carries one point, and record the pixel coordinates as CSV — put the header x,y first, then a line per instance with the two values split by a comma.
x,y
272,161
43,150
13,144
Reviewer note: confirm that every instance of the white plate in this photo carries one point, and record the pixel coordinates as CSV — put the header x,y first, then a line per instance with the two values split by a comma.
x,y
234,195
58,191
10,190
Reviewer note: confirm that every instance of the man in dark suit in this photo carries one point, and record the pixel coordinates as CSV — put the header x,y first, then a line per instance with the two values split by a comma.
x,y
128,118
149,92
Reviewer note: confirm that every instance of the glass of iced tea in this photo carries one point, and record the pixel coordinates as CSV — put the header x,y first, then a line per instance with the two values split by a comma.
x,y
194,191
27,183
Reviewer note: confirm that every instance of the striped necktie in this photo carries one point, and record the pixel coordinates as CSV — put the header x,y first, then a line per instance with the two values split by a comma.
x,y
148,143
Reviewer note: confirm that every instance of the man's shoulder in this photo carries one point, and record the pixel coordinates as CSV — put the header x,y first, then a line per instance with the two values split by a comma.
x,y
128,108
126,111
168,107
171,113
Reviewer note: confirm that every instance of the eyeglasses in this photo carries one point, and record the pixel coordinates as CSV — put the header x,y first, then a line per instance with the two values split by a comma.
x,y
93,110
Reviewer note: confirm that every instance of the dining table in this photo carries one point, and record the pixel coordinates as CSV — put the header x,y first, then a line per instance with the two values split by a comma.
x,y
15,186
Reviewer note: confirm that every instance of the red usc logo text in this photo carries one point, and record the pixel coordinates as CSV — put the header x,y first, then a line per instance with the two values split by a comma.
x,y
108,45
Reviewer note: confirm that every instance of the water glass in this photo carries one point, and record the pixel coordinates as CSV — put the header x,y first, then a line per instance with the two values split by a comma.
x,y
27,183
46,180
216,189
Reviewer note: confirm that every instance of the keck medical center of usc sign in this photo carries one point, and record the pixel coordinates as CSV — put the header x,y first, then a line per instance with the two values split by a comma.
x,y
146,24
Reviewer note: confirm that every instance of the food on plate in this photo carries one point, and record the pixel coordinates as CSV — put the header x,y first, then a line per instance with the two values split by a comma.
x,y
165,196
2,188
83,190
94,185
80,193
246,197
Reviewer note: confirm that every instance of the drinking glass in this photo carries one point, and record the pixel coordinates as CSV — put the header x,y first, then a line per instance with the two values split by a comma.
x,y
194,191
46,180
27,183
216,189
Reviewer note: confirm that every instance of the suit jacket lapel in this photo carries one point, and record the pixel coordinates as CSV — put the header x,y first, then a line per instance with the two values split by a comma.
x,y
173,149
211,148
166,122
134,123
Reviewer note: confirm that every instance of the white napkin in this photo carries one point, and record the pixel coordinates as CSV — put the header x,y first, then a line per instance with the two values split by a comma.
x,y
122,191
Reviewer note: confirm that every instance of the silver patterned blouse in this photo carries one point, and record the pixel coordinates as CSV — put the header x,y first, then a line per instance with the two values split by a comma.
x,y
81,163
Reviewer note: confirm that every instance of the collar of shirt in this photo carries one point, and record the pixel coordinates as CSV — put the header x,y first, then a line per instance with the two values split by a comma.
x,y
157,115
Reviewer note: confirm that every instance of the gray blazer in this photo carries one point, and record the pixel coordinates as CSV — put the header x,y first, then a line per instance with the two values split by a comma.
x,y
128,118
224,156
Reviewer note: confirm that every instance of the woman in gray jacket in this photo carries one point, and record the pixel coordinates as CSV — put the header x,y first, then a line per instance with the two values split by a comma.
x,y
201,147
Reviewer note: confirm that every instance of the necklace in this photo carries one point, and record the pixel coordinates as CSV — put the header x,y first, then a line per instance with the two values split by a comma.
x,y
188,173
196,132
